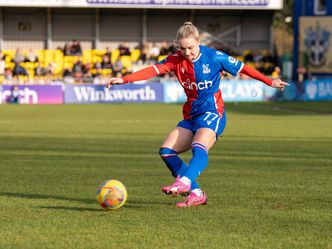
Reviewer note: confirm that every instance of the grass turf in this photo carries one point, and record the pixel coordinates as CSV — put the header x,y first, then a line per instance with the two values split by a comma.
x,y
268,180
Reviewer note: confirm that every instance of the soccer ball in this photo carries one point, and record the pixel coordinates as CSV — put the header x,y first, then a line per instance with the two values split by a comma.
x,y
112,194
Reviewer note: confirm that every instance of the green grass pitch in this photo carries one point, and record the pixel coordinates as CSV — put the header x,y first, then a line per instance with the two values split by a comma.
x,y
269,179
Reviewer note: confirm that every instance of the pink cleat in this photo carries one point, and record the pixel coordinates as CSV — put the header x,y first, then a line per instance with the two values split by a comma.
x,y
193,200
176,188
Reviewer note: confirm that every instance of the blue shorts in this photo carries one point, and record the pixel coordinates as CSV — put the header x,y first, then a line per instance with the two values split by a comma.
x,y
211,120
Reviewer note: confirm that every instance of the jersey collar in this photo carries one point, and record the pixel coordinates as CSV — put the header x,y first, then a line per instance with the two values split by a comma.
x,y
199,56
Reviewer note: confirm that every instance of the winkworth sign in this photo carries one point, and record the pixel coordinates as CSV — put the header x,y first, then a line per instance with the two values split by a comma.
x,y
76,94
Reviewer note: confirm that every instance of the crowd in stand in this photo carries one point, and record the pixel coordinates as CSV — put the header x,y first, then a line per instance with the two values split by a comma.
x,y
29,67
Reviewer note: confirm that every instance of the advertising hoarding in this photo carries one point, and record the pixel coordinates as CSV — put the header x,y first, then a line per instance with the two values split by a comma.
x,y
85,93
168,4
318,90
232,91
34,94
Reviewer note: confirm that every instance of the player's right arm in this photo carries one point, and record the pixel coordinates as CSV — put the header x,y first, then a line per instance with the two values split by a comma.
x,y
143,74
161,67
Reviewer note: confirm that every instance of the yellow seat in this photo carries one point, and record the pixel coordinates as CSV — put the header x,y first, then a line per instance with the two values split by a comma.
x,y
161,57
29,65
126,61
99,52
87,56
10,54
48,57
106,72
115,55
10,65
135,54
40,55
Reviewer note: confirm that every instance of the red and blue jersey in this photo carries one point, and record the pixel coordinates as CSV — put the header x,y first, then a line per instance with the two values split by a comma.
x,y
200,78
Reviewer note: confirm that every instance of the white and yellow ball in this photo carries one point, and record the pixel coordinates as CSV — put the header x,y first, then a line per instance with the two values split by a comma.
x,y
112,194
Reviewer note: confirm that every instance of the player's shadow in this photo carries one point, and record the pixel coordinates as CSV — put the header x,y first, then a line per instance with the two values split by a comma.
x,y
132,204
40,196
80,209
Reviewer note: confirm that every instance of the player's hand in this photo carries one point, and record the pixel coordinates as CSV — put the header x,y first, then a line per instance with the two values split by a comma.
x,y
278,83
112,81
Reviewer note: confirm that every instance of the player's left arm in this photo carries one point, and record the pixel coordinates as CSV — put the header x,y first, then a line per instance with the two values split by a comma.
x,y
253,73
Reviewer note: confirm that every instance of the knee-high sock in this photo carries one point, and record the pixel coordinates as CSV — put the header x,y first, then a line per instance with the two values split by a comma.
x,y
198,162
175,164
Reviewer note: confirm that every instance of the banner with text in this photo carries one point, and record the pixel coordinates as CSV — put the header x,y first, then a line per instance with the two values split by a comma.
x,y
168,4
81,94
318,90
32,94
232,90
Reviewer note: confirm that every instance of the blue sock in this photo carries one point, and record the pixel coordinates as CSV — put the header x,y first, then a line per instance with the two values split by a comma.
x,y
198,162
175,164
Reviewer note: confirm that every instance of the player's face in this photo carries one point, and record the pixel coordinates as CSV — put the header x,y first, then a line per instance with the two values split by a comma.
x,y
189,48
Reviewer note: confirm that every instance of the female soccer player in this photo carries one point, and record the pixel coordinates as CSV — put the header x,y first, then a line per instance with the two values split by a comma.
x,y
198,69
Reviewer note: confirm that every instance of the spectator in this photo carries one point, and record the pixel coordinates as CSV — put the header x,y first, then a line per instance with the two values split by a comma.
x,y
249,57
172,48
97,65
50,69
144,56
39,70
276,74
108,53
164,49
154,52
75,48
106,62
2,65
14,95
124,49
66,50
31,56
8,75
78,69
19,70
117,66
19,56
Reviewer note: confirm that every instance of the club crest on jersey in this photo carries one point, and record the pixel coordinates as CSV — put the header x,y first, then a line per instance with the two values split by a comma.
x,y
206,69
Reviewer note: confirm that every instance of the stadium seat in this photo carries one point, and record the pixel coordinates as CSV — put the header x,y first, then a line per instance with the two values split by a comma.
x,y
161,57
126,61
135,54
87,56
115,55
106,72
10,54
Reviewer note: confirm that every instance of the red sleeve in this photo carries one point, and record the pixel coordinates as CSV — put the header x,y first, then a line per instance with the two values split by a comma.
x,y
253,73
162,67
143,74
166,65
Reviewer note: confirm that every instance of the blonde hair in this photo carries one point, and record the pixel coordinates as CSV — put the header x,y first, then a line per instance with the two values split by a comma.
x,y
187,30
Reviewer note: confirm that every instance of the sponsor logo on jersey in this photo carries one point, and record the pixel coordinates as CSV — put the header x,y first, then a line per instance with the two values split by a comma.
x,y
197,86
206,69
